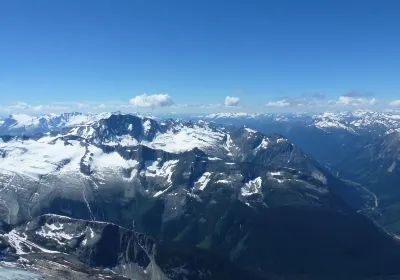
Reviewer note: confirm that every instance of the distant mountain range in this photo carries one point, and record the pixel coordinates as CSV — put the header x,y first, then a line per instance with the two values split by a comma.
x,y
18,124
212,199
356,121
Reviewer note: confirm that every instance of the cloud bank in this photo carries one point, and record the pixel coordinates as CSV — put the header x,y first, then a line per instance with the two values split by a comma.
x,y
279,103
395,103
353,101
306,102
343,101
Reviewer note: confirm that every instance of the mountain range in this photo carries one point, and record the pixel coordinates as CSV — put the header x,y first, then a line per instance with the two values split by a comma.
x,y
22,124
353,121
361,146
145,198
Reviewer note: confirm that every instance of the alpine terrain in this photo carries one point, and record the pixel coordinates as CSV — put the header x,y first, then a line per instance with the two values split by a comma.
x,y
122,196
360,146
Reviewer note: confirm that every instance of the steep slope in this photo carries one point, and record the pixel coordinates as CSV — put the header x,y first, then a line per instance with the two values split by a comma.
x,y
361,146
376,164
67,249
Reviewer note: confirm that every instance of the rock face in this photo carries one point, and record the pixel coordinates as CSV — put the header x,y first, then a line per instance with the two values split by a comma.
x,y
83,245
217,196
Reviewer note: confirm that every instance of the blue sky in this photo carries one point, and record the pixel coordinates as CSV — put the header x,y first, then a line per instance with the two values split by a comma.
x,y
286,54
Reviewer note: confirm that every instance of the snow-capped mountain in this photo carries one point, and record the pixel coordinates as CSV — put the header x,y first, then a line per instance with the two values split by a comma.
x,y
357,121
22,124
234,192
232,115
140,155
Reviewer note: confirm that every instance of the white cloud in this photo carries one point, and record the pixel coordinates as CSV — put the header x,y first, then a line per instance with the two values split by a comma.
x,y
352,101
199,105
304,102
83,105
293,102
56,107
232,101
395,102
25,107
373,101
165,101
155,100
279,103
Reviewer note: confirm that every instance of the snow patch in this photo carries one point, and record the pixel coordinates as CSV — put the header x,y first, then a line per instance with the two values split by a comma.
x,y
185,138
17,241
319,176
164,171
146,127
252,187
263,145
249,130
223,181
36,158
202,182
56,233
